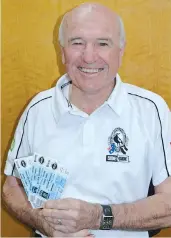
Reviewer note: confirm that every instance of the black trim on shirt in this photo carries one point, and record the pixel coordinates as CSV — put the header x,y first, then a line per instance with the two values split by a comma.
x,y
24,127
65,84
62,87
160,127
151,192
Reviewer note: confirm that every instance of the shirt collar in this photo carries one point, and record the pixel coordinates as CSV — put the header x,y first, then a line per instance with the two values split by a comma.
x,y
61,104
117,101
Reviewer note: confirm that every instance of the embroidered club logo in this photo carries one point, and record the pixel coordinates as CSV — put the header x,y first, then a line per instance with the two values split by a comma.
x,y
118,146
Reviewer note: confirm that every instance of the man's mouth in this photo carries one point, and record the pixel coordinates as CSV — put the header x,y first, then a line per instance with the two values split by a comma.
x,y
90,70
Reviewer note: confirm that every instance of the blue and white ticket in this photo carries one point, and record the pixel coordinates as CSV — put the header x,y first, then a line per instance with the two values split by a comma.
x,y
43,178
24,167
37,168
52,182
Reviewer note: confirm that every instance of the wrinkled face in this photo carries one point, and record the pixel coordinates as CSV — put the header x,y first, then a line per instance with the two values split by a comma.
x,y
91,51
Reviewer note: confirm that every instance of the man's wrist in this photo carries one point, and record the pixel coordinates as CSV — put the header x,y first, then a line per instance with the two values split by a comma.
x,y
40,223
98,212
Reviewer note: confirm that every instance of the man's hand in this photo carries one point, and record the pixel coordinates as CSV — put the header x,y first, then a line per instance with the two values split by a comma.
x,y
17,202
83,233
47,228
72,215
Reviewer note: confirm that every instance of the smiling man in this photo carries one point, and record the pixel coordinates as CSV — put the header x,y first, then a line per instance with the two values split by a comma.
x,y
92,54
114,138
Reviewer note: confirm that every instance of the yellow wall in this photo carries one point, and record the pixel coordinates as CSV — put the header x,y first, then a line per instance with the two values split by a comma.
x,y
30,64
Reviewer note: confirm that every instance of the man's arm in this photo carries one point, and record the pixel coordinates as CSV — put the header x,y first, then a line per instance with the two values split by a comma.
x,y
146,214
17,203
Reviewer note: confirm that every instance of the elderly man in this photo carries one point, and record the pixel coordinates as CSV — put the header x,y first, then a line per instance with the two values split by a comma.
x,y
113,137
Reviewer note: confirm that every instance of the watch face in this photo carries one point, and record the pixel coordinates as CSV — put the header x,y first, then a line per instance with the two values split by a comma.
x,y
107,210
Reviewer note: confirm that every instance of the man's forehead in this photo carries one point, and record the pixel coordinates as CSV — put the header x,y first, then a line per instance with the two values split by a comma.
x,y
88,8
91,13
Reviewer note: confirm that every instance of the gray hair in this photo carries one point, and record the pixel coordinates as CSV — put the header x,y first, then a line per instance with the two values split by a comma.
x,y
121,26
122,32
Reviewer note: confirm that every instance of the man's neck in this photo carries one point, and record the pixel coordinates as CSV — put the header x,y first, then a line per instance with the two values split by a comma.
x,y
89,102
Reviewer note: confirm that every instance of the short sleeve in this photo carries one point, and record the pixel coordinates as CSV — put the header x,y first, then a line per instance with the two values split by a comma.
x,y
162,146
19,146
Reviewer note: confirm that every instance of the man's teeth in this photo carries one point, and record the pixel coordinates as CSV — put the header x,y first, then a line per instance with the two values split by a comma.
x,y
85,70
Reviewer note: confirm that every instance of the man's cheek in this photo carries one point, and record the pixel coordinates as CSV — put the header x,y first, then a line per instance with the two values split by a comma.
x,y
68,65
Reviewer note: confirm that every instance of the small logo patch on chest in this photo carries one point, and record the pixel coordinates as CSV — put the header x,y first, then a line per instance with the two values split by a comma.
x,y
118,146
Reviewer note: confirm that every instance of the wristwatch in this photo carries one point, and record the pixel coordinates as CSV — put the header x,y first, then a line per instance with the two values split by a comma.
x,y
107,218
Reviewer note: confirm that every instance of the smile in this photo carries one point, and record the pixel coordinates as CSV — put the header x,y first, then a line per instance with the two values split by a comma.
x,y
90,71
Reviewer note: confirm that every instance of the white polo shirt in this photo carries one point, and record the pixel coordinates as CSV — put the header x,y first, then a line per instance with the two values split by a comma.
x,y
111,155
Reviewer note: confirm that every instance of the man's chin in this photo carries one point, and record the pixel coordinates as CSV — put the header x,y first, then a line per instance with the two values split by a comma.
x,y
91,88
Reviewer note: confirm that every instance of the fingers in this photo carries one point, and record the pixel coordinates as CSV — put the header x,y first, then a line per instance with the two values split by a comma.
x,y
64,204
55,213
51,220
82,233
68,228
60,214
65,227
57,221
60,228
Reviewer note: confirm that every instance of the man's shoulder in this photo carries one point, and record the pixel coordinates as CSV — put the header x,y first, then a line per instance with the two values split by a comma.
x,y
39,104
144,95
42,96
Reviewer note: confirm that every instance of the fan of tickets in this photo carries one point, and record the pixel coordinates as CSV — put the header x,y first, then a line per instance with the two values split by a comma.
x,y
43,178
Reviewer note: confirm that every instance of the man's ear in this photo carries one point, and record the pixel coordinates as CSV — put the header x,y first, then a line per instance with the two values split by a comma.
x,y
122,50
63,55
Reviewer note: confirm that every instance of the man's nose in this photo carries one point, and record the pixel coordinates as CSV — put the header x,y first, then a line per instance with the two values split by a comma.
x,y
89,54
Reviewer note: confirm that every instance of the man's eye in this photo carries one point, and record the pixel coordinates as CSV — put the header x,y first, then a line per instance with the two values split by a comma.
x,y
103,44
77,43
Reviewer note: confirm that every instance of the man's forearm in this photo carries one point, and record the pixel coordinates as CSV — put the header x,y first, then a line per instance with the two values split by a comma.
x,y
146,214
17,203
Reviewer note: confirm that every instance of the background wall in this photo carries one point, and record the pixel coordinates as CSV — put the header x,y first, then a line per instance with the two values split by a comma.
x,y
29,60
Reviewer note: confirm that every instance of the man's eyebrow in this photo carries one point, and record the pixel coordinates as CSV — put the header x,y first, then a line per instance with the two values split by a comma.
x,y
99,39
74,38
105,39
